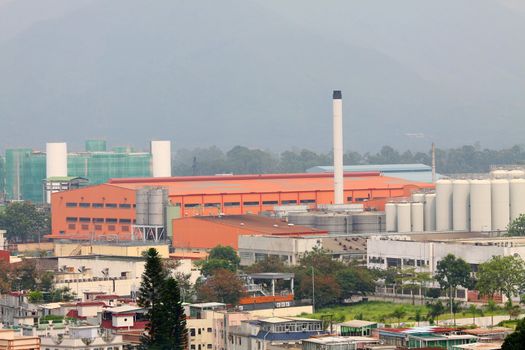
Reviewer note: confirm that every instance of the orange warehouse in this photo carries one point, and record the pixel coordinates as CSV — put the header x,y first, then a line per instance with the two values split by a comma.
x,y
108,210
206,232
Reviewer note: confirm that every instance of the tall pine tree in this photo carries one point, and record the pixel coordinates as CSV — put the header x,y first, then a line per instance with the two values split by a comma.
x,y
160,295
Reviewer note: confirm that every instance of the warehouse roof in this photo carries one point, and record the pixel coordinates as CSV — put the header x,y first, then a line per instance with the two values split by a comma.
x,y
257,224
187,185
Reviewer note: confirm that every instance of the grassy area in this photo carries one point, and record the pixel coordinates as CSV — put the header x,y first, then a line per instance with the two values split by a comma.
x,y
381,311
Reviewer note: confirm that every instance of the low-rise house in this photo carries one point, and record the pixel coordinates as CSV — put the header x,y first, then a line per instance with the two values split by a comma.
x,y
16,310
9,340
425,337
83,337
338,343
357,328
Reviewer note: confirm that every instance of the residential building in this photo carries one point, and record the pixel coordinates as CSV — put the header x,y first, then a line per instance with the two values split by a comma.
x,y
83,337
425,337
10,340
339,343
16,310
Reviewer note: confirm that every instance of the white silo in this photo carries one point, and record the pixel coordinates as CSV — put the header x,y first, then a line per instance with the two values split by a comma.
x,y
443,205
161,158
56,159
418,197
430,212
516,174
461,205
391,217
417,216
480,206
404,221
517,198
499,174
500,204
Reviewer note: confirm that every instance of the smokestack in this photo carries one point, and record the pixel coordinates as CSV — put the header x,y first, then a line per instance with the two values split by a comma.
x,y
433,163
161,158
337,103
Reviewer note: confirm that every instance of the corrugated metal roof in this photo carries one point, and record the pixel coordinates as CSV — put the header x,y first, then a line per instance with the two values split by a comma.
x,y
384,168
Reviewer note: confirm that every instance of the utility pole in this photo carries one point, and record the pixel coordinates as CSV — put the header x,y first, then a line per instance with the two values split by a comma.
x,y
313,289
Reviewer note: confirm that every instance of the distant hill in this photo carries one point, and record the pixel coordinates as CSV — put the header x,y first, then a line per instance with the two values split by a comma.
x,y
260,72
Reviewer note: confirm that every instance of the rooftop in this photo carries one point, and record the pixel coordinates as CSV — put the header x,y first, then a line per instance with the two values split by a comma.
x,y
357,323
330,340
186,185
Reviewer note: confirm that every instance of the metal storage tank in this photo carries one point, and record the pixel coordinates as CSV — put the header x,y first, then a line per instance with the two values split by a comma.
x,y
303,220
480,206
417,216
461,205
391,217
517,198
516,174
499,174
443,205
157,204
430,212
500,204
404,221
368,222
334,224
418,197
141,208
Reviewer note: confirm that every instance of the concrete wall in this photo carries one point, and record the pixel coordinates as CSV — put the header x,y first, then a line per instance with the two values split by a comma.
x,y
292,247
282,312
68,249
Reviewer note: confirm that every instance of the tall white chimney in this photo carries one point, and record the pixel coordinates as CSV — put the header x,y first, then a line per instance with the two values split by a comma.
x,y
337,103
161,158
56,163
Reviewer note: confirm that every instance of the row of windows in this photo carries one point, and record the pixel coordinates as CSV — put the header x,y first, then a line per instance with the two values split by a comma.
x,y
195,331
107,220
250,203
99,205
97,227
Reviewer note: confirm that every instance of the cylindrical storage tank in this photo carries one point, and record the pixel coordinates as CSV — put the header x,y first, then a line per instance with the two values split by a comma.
x,y
141,207
430,212
499,174
404,221
461,205
391,217
500,204
418,197
480,206
161,158
443,205
517,198
56,159
334,224
303,220
516,174
417,216
156,207
368,222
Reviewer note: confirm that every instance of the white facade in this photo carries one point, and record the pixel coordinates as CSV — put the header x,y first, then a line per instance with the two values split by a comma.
x,y
480,206
461,205
417,217
443,205
161,158
337,106
500,204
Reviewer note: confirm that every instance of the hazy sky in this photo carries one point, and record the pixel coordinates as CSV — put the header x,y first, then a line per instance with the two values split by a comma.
x,y
260,72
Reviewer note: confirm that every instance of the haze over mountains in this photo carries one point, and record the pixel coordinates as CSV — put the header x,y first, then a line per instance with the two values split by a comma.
x,y
260,72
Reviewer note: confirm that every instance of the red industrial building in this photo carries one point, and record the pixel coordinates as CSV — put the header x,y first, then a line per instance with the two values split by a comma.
x,y
109,209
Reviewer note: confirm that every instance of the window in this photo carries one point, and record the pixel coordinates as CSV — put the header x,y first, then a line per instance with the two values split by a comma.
x,y
307,201
111,220
210,330
71,205
124,228
98,227
232,204
289,201
84,227
124,205
84,205
71,219
98,220
111,205
210,205
71,226
270,202
250,203
192,332
111,227
84,219
191,205
125,221
98,205
348,199
209,346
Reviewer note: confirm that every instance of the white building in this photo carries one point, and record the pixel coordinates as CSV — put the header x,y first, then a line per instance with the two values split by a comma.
x,y
83,337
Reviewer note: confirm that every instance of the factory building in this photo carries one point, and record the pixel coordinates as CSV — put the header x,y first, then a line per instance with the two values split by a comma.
x,y
23,171
111,208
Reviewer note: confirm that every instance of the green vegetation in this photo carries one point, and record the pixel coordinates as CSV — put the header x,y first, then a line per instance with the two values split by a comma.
x,y
517,227
383,311
515,340
24,222
503,274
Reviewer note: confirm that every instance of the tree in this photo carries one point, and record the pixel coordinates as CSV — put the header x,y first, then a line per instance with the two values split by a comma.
x,y
35,296
150,296
268,264
452,272
398,314
517,226
491,307
435,309
187,289
355,280
173,333
327,290
418,317
23,221
473,310
223,286
504,274
515,340
220,257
